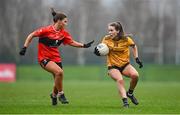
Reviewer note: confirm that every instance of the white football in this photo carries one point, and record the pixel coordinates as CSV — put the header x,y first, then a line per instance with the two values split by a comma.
x,y
103,49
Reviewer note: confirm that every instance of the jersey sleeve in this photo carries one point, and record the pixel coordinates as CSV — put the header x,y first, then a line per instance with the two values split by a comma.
x,y
67,39
130,42
40,32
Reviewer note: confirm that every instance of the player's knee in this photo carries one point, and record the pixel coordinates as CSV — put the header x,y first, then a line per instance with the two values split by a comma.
x,y
134,76
59,72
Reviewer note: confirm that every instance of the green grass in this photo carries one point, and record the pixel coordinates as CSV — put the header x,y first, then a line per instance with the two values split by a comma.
x,y
88,97
91,91
148,73
160,73
70,73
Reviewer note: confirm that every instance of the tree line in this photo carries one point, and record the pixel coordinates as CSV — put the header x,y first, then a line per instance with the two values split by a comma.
x,y
154,25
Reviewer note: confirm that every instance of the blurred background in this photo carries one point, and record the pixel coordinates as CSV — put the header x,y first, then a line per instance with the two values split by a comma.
x,y
155,25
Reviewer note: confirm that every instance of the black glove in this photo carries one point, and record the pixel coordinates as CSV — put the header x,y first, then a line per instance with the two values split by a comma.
x,y
139,62
96,52
23,51
88,44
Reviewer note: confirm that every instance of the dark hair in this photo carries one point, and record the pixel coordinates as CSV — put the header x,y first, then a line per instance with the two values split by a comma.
x,y
118,27
57,16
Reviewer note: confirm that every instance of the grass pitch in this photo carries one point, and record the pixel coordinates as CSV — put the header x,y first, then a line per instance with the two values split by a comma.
x,y
88,97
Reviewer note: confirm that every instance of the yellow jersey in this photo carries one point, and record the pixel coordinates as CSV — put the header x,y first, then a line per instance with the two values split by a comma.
x,y
119,53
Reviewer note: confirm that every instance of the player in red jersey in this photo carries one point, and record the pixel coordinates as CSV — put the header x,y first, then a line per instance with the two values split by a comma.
x,y
50,38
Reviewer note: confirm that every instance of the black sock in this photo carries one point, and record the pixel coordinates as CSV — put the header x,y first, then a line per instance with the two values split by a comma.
x,y
130,91
125,101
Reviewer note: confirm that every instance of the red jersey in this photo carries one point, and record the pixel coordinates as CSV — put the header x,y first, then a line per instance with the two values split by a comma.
x,y
49,40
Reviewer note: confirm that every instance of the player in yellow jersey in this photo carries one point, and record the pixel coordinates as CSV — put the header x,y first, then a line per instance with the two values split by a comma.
x,y
118,60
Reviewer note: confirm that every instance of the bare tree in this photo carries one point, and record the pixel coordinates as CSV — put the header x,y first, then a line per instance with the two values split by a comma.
x,y
177,57
16,14
160,32
155,25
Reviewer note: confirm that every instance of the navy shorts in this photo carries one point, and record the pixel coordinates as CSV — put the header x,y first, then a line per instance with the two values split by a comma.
x,y
118,68
44,62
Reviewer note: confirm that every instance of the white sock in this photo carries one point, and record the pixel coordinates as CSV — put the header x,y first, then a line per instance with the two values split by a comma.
x,y
130,94
60,93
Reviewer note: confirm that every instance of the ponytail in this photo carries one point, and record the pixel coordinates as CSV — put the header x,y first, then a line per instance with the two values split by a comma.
x,y
57,16
121,31
53,12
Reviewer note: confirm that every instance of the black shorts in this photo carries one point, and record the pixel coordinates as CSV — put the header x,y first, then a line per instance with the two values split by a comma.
x,y
44,62
118,68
